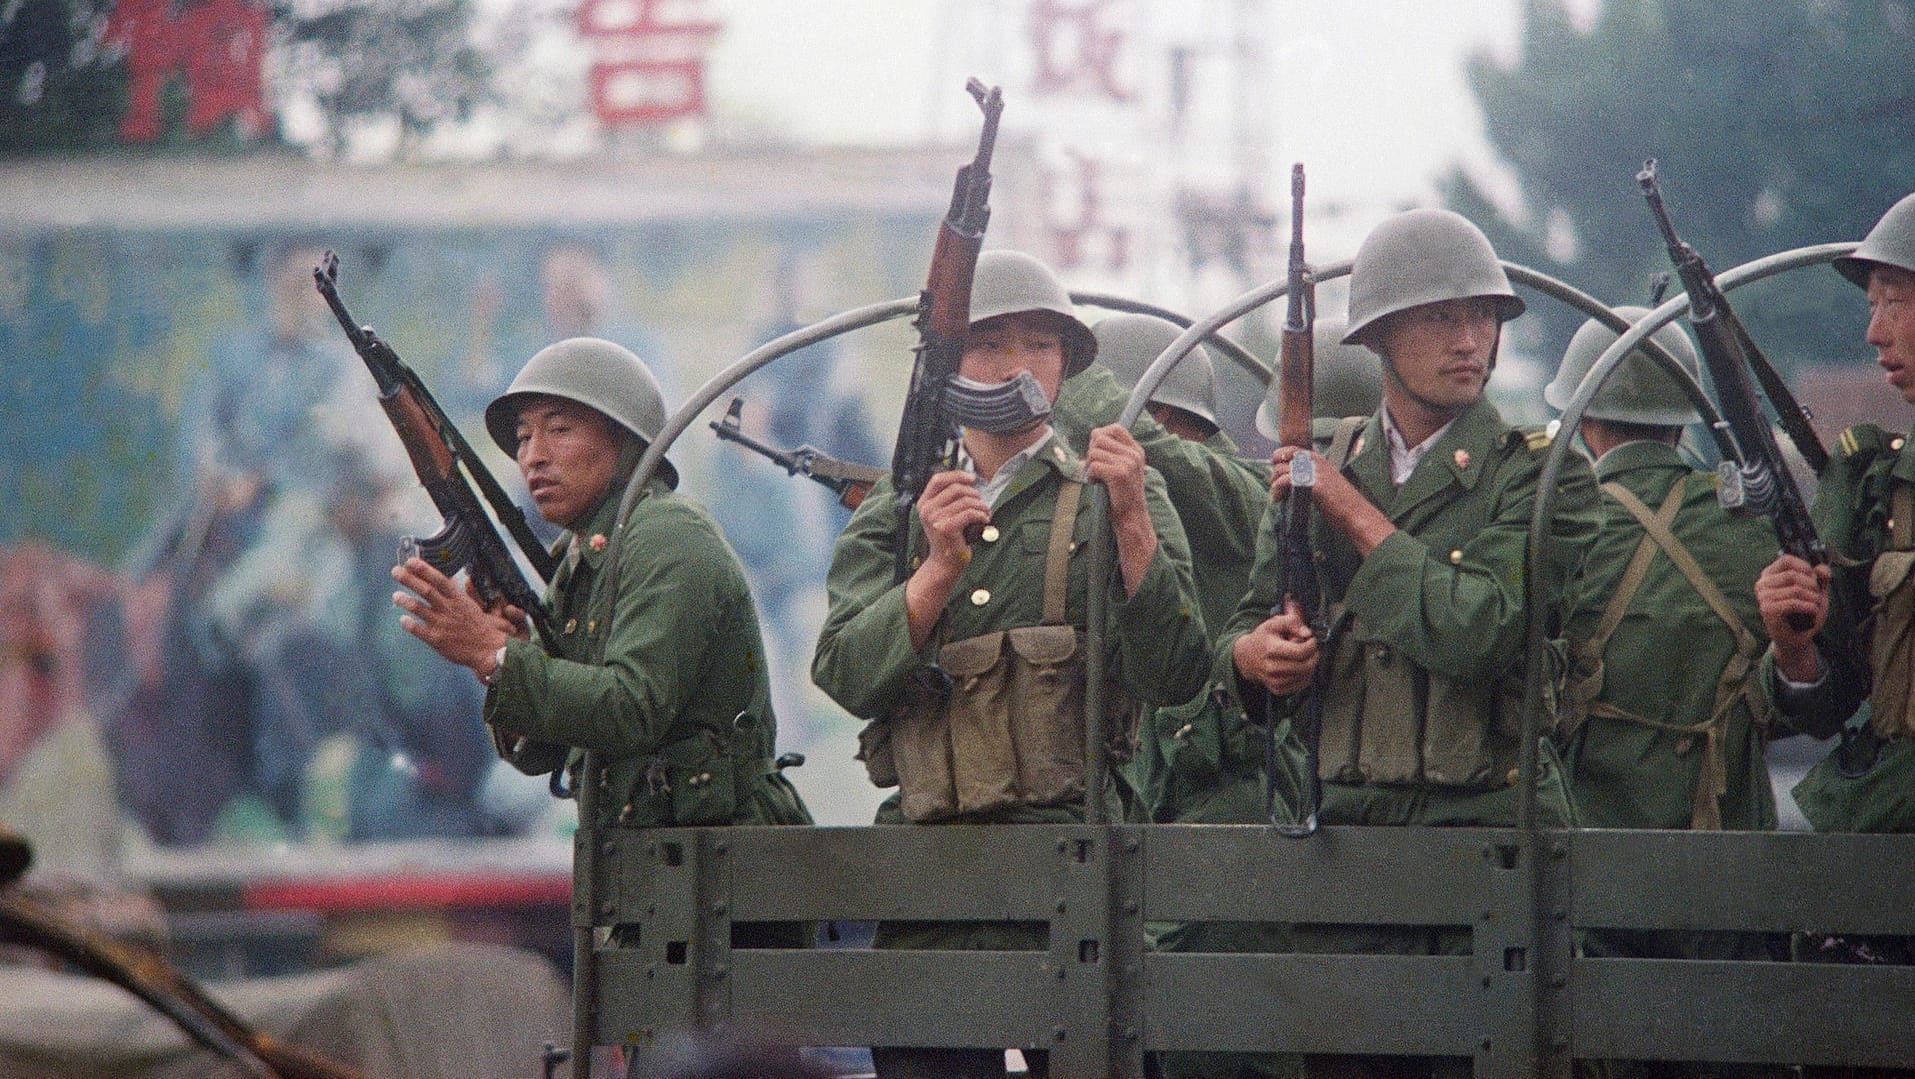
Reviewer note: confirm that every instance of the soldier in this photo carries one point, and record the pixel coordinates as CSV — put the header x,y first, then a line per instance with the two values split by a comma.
x,y
672,692
960,719
1666,717
1860,645
1218,497
1422,523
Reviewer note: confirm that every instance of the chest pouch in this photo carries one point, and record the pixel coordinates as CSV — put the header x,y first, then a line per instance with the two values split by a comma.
x,y
1891,583
1388,720
1011,730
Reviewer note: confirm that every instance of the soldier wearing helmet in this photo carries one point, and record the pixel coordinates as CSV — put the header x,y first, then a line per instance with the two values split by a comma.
x,y
971,671
1666,717
1861,645
1421,526
671,690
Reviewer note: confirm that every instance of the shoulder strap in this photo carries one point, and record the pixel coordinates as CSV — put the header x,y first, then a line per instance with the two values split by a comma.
x,y
1736,683
1901,513
1344,440
1057,559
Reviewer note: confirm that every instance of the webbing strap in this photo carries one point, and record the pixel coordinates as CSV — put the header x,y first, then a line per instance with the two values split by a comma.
x,y
1734,684
1057,559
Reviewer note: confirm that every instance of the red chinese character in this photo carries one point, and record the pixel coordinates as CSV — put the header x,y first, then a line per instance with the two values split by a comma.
x,y
1074,51
648,58
217,47
1076,241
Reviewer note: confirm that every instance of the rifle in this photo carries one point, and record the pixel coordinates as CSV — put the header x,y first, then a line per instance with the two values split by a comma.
x,y
148,976
1758,480
927,439
850,482
1297,570
468,540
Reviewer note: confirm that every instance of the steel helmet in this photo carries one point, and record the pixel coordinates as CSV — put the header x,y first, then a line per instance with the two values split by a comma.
x,y
1424,256
1638,390
591,371
1007,282
1891,243
1348,381
1127,343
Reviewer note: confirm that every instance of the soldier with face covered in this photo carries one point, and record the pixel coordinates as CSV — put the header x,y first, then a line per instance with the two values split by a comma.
x,y
971,670
1421,526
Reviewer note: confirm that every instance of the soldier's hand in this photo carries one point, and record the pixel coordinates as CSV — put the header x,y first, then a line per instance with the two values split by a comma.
x,y
1342,505
949,507
516,624
1115,460
1790,588
449,620
1280,654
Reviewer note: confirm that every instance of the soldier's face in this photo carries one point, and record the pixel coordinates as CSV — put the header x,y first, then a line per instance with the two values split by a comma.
x,y
996,349
567,454
1891,326
1441,351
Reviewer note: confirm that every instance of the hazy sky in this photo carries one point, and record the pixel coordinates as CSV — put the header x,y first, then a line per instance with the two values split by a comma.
x,y
1370,92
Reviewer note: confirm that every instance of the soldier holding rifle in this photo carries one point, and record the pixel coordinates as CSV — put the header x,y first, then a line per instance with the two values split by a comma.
x,y
1422,523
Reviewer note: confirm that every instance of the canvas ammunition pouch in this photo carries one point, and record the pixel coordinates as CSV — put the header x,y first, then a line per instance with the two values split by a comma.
x,y
1389,720
1009,728
1891,584
1736,684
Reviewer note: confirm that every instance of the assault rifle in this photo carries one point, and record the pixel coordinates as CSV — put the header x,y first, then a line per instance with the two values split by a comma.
x,y
1297,570
1758,481
850,482
926,437
448,468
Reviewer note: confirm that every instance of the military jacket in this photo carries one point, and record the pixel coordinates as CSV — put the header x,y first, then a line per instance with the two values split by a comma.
x,y
669,688
1851,514
1446,592
864,658
1663,659
1864,787
1219,497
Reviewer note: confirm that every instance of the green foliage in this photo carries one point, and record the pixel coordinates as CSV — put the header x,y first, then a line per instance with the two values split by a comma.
x,y
58,92
409,61
1777,124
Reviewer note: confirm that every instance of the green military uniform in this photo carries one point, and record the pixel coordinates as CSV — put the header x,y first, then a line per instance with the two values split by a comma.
x,y
1853,510
865,660
1667,742
1668,716
1442,598
1185,760
672,695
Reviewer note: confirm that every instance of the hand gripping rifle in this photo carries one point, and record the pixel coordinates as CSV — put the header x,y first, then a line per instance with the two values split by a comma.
x,y
926,436
1758,481
1296,568
850,482
448,468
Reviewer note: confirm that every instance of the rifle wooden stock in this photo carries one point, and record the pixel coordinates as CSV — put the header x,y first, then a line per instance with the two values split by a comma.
x,y
442,460
1296,377
926,435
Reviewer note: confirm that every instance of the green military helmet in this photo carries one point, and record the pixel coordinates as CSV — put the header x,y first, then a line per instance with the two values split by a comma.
x,y
1638,390
1007,282
593,372
1128,343
1424,256
1891,243
1348,381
